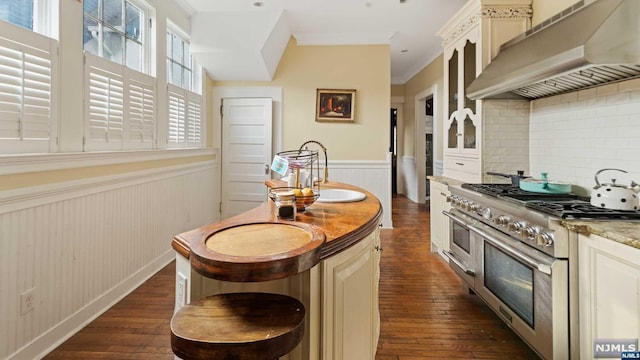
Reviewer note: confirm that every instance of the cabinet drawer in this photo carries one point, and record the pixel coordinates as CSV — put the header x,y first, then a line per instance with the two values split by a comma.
x,y
460,164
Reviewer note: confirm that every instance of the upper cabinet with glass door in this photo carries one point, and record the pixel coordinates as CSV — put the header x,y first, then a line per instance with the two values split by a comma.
x,y
463,123
471,38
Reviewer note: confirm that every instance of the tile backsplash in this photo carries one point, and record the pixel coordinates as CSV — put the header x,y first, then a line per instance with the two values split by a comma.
x,y
574,135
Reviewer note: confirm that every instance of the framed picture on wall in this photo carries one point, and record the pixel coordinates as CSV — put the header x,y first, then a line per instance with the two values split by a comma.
x,y
335,105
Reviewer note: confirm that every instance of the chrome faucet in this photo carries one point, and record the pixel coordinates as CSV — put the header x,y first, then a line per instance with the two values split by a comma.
x,y
324,149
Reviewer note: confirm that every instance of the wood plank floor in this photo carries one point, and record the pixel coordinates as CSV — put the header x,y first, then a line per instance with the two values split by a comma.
x,y
424,313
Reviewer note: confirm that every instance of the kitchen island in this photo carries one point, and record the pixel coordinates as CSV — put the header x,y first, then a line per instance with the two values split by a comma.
x,y
340,293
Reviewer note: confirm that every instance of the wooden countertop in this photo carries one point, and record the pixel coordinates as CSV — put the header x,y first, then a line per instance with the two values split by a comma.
x,y
343,224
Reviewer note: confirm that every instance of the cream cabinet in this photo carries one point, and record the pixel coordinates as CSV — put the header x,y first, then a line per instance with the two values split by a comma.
x,y
471,38
439,222
609,291
351,318
340,295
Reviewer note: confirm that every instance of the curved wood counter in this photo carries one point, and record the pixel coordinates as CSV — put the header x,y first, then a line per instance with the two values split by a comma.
x,y
343,224
340,291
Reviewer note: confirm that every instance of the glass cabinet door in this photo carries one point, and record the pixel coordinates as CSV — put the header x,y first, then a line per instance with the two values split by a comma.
x,y
469,134
452,135
469,73
452,96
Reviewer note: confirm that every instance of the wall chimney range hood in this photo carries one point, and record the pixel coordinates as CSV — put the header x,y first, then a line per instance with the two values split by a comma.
x,y
591,43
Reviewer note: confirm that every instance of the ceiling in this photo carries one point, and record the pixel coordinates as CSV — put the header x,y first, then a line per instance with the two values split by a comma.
x,y
239,40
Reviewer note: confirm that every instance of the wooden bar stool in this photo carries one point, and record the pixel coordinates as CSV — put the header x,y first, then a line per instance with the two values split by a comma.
x,y
238,326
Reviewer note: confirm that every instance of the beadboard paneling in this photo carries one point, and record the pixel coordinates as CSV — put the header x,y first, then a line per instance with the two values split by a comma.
x,y
84,245
373,176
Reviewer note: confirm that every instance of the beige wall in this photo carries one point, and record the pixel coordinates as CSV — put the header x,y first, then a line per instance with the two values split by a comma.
x,y
428,77
303,69
397,90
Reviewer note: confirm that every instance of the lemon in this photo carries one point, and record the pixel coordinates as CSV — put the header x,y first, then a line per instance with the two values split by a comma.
x,y
307,192
298,192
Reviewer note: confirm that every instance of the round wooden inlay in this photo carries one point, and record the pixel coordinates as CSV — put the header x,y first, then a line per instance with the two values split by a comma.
x,y
258,251
258,240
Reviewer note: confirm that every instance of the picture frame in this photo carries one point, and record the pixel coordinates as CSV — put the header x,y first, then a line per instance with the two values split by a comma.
x,y
334,105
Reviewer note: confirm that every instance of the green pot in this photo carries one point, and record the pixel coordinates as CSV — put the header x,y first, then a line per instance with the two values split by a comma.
x,y
543,185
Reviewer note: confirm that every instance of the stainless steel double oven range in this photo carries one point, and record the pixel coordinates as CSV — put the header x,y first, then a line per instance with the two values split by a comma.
x,y
509,248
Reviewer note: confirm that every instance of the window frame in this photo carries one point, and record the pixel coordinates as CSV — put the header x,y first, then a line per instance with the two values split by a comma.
x,y
146,37
183,104
175,31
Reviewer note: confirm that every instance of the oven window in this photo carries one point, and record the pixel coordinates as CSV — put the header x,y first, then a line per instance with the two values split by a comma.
x,y
509,280
461,236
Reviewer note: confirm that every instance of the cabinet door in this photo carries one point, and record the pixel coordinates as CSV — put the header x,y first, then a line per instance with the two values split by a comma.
x,y
350,312
609,297
462,125
439,230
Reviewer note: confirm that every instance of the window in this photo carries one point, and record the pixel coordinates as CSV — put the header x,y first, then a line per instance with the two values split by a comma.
x,y
39,16
17,12
113,29
28,68
185,105
178,61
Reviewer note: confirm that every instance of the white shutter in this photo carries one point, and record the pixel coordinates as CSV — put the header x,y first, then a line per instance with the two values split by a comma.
x,y
104,113
27,116
177,116
185,118
142,115
120,106
194,119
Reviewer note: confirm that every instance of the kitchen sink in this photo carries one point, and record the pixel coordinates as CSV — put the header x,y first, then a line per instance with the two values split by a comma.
x,y
340,195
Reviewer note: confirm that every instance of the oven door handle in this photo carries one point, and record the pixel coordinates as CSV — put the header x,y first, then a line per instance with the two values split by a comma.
x,y
543,268
459,263
456,218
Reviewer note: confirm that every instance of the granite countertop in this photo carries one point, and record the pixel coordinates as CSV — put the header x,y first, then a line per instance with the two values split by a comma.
x,y
445,180
625,232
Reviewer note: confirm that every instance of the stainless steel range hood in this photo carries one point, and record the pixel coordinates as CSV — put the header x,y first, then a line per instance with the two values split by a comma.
x,y
592,43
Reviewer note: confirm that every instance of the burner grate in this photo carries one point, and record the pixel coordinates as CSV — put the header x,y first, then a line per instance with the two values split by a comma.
x,y
579,209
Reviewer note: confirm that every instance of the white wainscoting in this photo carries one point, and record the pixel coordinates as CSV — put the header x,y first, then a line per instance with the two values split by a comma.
x,y
85,244
410,177
371,175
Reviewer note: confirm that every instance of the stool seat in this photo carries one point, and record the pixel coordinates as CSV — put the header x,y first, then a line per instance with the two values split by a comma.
x,y
238,326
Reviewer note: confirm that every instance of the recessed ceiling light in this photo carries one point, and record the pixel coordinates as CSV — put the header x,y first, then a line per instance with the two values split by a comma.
x,y
404,50
403,1
257,3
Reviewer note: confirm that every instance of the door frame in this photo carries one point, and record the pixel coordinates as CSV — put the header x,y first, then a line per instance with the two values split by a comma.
x,y
222,92
419,130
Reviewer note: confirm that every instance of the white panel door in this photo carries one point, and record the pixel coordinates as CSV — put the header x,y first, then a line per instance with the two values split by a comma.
x,y
246,153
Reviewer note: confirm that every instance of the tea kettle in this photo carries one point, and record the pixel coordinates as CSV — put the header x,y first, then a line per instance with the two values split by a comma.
x,y
614,196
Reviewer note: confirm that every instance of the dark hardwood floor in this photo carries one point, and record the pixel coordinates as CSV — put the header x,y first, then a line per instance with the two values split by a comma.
x,y
424,312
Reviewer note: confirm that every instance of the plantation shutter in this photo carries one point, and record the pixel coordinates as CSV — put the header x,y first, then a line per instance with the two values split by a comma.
x,y
120,110
105,110
28,64
142,114
177,116
185,118
194,119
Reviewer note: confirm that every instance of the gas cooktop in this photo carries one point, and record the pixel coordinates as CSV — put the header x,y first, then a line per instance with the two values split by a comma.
x,y
564,206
